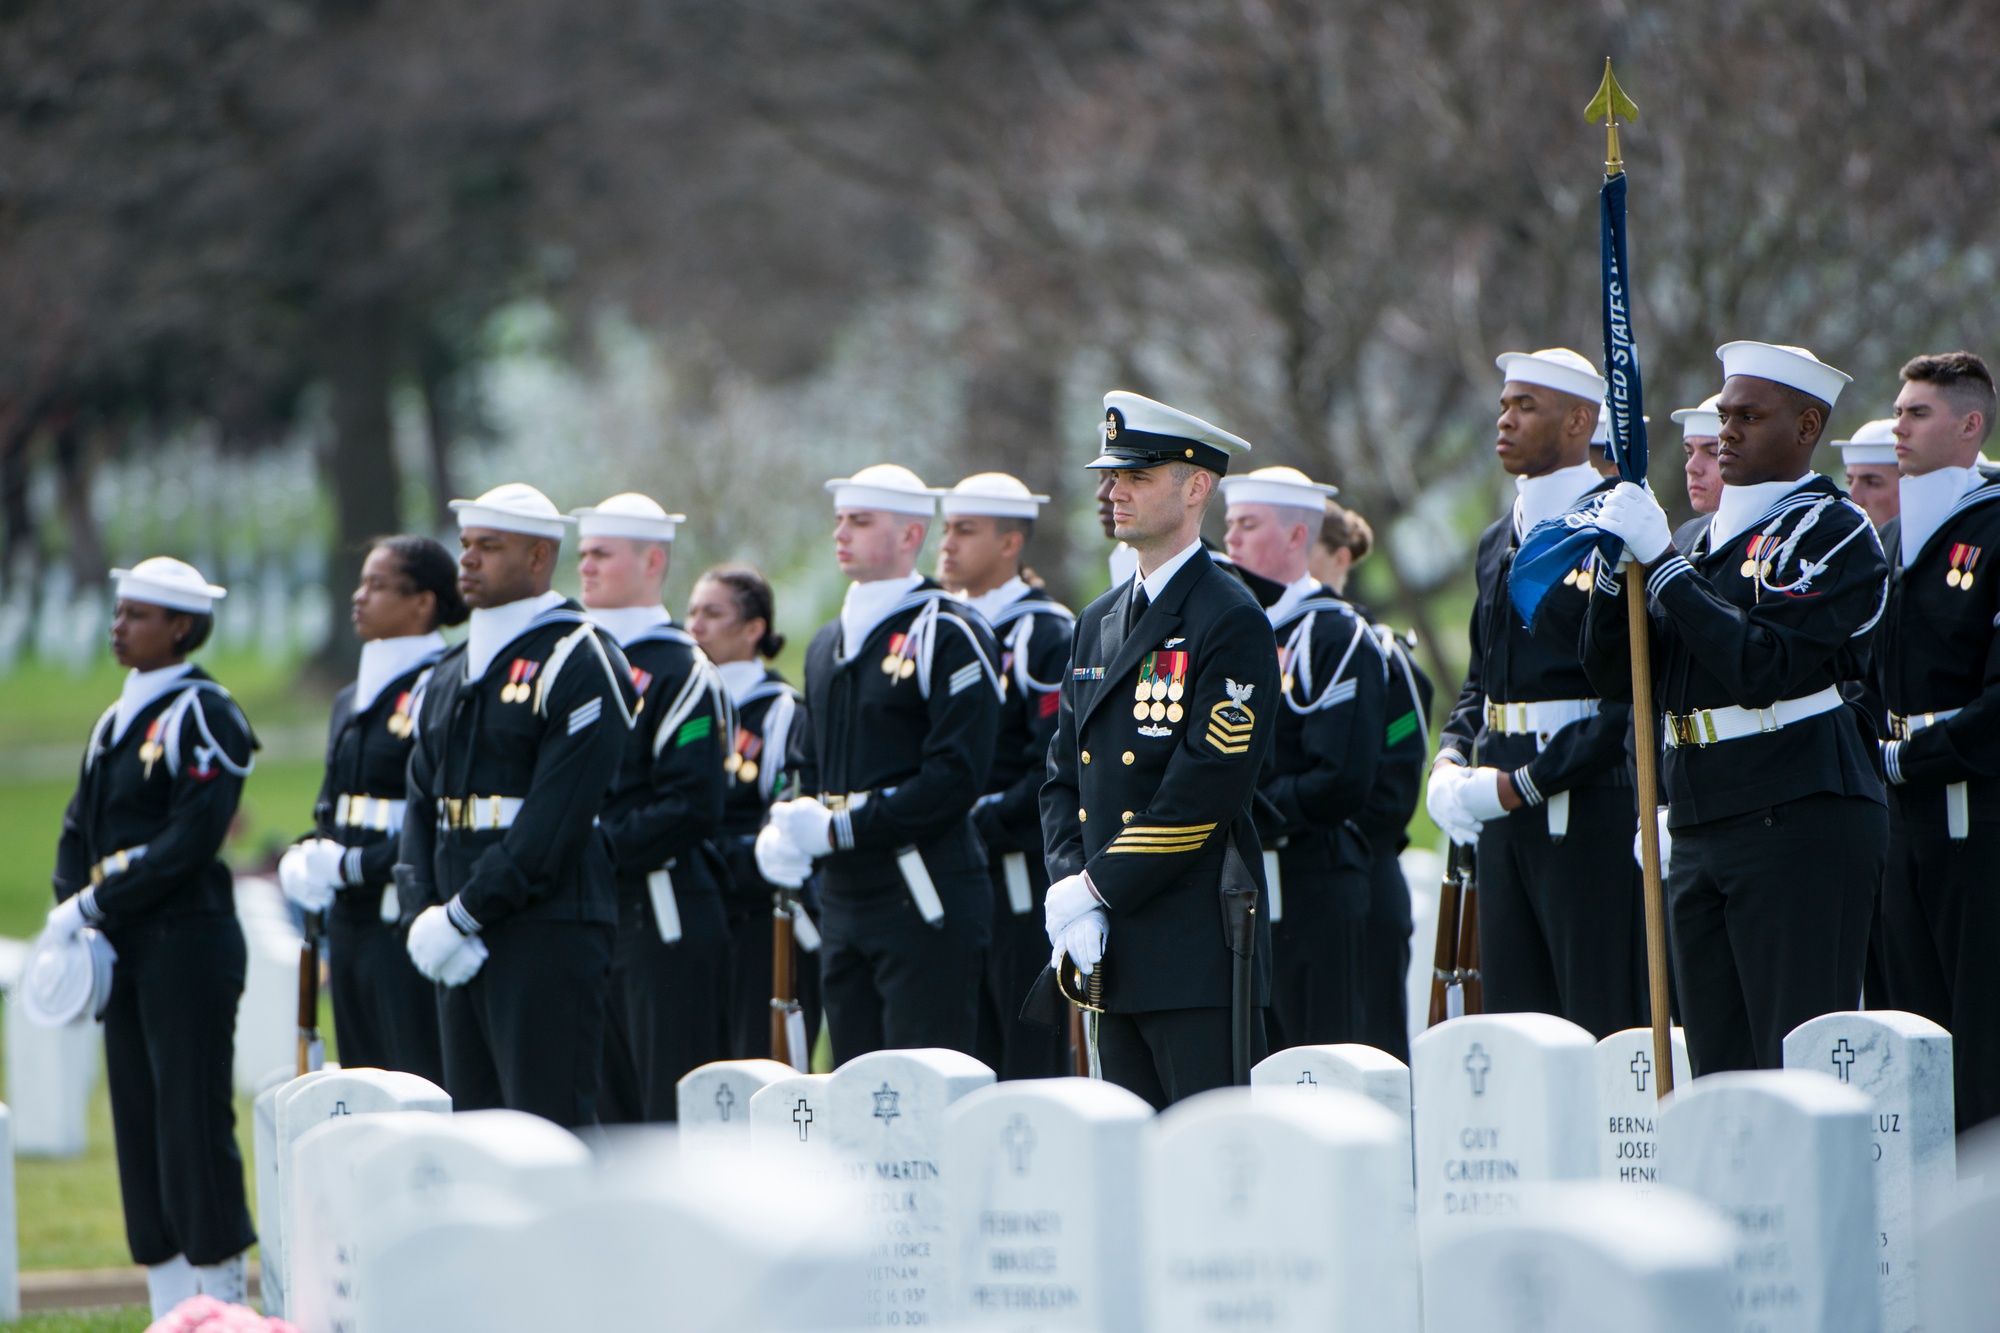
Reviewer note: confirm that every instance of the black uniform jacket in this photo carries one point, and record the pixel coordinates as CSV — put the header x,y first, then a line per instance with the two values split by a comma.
x,y
546,724
919,743
666,801
766,720
1034,634
1938,648
1511,663
361,795
1406,745
1721,637
169,785
1148,805
1329,726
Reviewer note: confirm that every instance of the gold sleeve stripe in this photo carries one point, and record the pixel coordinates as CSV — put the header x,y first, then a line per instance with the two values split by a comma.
x,y
1168,831
1155,848
1226,745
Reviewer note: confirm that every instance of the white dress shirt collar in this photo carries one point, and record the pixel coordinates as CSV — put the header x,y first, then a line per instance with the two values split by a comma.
x,y
995,600
1538,499
1156,582
1295,592
866,606
382,660
1925,502
1743,507
626,623
493,628
142,688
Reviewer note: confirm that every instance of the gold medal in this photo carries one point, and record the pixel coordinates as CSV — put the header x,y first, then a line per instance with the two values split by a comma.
x,y
1174,713
891,664
1139,712
747,771
1952,577
1144,692
908,669
1749,568
732,763
1286,684
1965,581
1159,689
1765,569
1158,712
1175,690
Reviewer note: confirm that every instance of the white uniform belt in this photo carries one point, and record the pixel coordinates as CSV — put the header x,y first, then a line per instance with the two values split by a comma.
x,y
369,812
1542,717
115,863
1901,728
473,814
839,801
1707,726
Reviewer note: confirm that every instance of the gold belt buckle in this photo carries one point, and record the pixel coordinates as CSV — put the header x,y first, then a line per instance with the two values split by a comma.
x,y
493,805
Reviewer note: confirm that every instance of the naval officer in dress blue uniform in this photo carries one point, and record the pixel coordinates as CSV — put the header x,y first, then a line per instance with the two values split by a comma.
x,y
902,708
1148,811
1775,796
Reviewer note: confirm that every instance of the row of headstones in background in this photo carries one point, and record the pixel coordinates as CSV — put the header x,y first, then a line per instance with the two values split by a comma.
x,y
267,1015
10,1240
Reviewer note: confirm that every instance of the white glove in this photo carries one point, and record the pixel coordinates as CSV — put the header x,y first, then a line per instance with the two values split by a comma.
x,y
464,964
1442,801
1069,899
1666,844
433,940
1479,795
65,918
1632,515
1083,940
779,861
309,873
806,824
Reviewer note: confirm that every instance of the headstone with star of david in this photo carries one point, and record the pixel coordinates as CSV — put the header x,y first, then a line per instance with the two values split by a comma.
x,y
1349,1067
1903,1063
1628,1106
1043,1173
1278,1212
1500,1100
885,1111
1784,1155
309,1101
713,1100
788,1121
462,1171
1582,1257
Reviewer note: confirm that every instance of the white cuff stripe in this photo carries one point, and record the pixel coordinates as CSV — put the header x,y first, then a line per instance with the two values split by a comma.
x,y
87,900
1524,786
1608,581
350,867
1670,569
1892,760
460,917
843,830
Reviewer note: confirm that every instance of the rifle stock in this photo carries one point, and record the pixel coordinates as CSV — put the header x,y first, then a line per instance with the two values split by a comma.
x,y
784,984
311,1052
1444,955
1468,939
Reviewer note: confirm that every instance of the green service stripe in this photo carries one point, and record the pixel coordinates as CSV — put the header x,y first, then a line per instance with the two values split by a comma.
x,y
692,730
1402,727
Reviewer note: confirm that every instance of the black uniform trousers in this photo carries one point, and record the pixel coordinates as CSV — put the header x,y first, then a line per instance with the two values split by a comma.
x,y
1385,959
1769,914
1317,996
891,982
527,1032
1562,925
169,1044
1940,920
666,1011
385,1013
1168,1055
1015,959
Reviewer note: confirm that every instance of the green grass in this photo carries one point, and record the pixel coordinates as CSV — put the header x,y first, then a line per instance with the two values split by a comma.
x,y
46,705
124,1319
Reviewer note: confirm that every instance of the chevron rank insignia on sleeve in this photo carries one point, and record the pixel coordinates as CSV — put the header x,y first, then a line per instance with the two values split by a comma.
x,y
1231,721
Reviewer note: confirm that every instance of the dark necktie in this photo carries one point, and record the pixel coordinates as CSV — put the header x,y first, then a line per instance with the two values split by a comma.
x,y
1136,608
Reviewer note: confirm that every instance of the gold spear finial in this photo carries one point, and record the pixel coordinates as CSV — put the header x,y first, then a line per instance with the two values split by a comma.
x,y
1609,106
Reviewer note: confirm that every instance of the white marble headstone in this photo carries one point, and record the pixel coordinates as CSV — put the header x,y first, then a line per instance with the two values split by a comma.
x,y
1423,871
1783,1154
788,1118
1903,1063
51,1073
1585,1258
270,1210
1278,1212
1349,1067
267,1015
10,1242
1044,1174
886,1110
1500,1100
1628,1105
1959,1281
713,1100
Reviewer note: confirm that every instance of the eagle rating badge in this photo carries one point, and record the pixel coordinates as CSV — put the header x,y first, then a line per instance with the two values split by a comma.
x,y
1231,721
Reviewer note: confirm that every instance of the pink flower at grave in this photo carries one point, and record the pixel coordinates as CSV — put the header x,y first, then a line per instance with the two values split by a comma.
x,y
205,1314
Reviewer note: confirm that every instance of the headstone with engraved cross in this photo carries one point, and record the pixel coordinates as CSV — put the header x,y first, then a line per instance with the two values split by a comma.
x,y
1501,1100
1628,1106
1350,1067
305,1103
713,1100
885,1114
1903,1063
1783,1153
788,1121
1279,1212
1043,1174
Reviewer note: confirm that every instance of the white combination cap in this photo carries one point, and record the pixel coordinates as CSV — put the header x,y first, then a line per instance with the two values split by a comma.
x,y
1601,434
1702,422
994,494
629,514
1278,486
1139,433
1781,364
889,487
1554,368
67,980
1874,442
515,507
174,584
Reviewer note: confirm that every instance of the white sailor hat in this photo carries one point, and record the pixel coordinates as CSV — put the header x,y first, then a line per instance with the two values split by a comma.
x,y
889,487
1554,368
174,584
995,494
1782,364
515,507
66,980
1140,433
1874,442
1702,422
1277,486
1600,436
629,514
